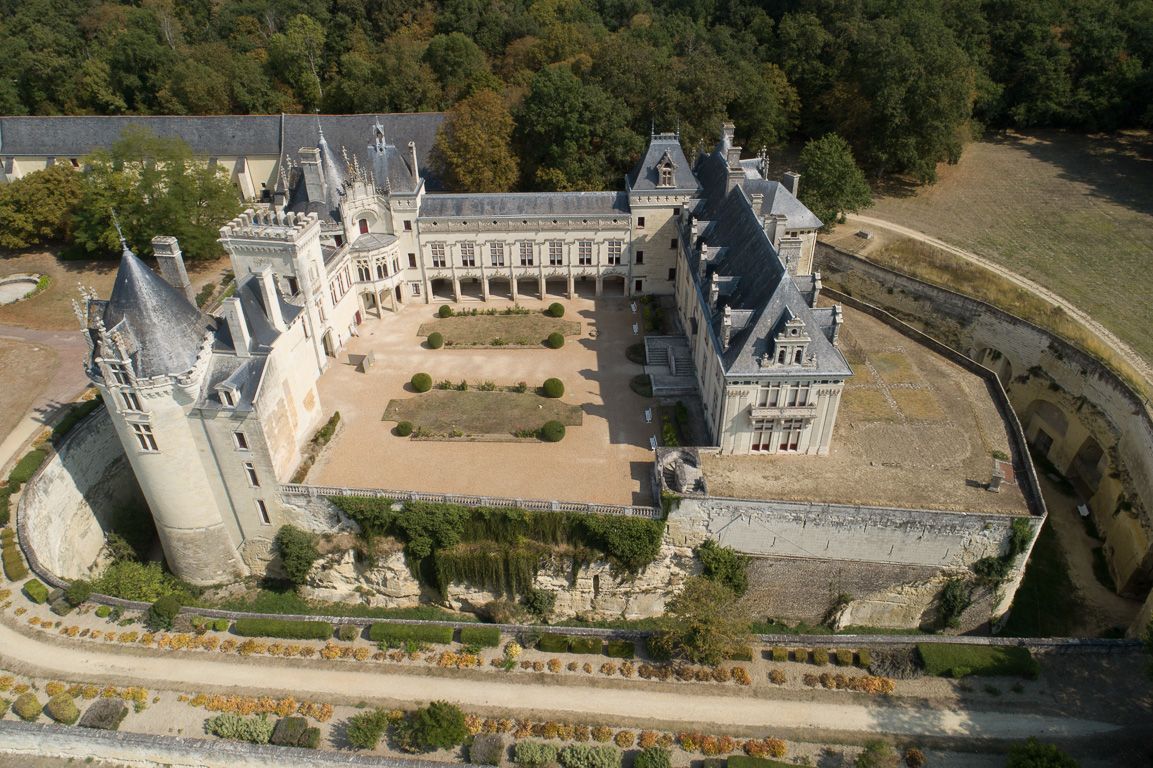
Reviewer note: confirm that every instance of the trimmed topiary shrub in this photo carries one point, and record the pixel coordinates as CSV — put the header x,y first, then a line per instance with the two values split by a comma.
x,y
653,757
622,649
844,658
435,340
780,654
163,612
285,628
27,707
590,756
552,643
820,656
486,636
553,388
310,739
103,611
348,632
404,428
445,310
556,309
398,634
77,592
229,725
105,714
555,340
288,731
552,431
534,754
421,382
487,749
36,591
5,505
220,625
62,709
14,567
584,645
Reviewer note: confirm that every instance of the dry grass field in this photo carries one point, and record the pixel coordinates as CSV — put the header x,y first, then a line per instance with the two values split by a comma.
x,y
33,366
516,330
1071,212
480,413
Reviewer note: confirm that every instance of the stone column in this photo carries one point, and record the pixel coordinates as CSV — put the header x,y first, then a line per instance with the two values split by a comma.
x,y
456,289
600,285
540,283
571,287
512,284
484,286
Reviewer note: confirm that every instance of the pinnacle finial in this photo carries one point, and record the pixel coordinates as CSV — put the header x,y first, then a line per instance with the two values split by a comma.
x,y
119,232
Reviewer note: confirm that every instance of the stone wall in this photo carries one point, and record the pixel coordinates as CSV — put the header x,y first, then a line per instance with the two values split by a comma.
x,y
66,507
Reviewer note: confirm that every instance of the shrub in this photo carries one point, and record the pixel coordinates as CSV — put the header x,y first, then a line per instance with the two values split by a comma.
x,y
653,757
876,754
844,658
14,567
230,725
62,709
421,382
555,340
540,602
365,729
288,731
642,384
553,388
739,653
1036,754
777,677
445,310
551,643
24,469
780,654
489,637
404,428
556,309
103,611
5,505
440,725
348,632
659,646
914,758
105,714
723,564
820,656
942,658
435,341
744,761
297,552
284,628
36,591
863,659
398,634
622,649
163,612
591,756
220,625
27,706
552,431
533,754
584,645
487,749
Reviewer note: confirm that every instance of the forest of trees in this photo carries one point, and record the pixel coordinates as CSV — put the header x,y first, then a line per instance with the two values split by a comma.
x,y
905,82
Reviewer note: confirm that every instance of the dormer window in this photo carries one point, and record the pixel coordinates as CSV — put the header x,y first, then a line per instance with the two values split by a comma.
x,y
131,402
666,171
119,372
798,357
666,177
226,398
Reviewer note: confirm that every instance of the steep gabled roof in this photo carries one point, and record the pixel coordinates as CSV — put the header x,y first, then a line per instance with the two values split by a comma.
x,y
75,136
645,177
512,204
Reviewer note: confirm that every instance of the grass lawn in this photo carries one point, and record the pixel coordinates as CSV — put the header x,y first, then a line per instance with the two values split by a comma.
x,y
1047,604
288,602
940,659
514,330
481,413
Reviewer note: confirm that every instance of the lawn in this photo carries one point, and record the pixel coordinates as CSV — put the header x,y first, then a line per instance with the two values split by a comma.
x,y
1046,604
514,330
481,413
26,369
942,658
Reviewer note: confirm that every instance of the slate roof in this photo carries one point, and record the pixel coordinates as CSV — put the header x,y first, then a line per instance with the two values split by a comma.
x,y
372,241
243,373
75,136
166,329
524,204
644,176
712,170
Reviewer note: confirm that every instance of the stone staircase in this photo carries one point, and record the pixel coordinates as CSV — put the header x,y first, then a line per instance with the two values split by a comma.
x,y
670,364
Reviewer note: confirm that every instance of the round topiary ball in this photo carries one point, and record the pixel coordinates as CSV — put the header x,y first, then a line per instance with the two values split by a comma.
x,y
553,388
555,340
404,428
435,340
556,309
552,431
421,382
445,311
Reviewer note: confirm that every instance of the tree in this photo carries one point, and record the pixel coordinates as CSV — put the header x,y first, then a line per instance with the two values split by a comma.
x,y
440,725
454,58
724,565
1034,754
297,552
296,58
831,182
38,207
703,622
473,149
156,187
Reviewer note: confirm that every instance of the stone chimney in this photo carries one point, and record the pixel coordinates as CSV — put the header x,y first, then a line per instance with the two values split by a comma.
x,y
703,263
167,252
233,314
838,321
758,201
726,327
715,292
271,297
816,288
776,228
412,151
728,131
792,182
313,173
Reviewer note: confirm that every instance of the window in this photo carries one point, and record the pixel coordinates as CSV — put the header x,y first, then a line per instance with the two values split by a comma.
x,y
640,222
119,372
415,288
673,273
555,253
293,286
496,254
467,255
339,240
250,472
666,177
584,252
407,226
226,398
640,289
676,211
395,265
363,272
263,510
363,223
412,261
614,251
145,438
240,440
382,270
75,163
131,402
526,254
673,244
640,257
790,434
438,259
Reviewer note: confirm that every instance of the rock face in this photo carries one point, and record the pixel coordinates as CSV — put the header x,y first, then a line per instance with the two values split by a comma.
x,y
341,577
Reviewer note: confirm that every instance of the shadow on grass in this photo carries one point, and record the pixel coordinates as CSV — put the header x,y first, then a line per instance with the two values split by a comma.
x,y
1047,603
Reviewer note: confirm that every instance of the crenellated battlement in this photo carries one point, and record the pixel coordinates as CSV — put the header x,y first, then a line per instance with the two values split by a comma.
x,y
270,225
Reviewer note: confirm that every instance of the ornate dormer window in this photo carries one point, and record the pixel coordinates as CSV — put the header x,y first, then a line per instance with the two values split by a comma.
x,y
791,346
666,170
229,397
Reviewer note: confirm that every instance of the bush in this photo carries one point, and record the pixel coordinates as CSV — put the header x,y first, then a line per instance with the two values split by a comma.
x,y
220,625
288,629
653,757
229,725
435,341
591,756
877,754
551,643
863,659
556,309
584,645
659,646
404,428
297,552
103,612
365,729
78,591
555,340
540,602
325,433
421,382
62,709
942,658
398,634
914,758
844,658
14,567
310,739
724,565
440,725
533,754
348,632
489,637
288,731
739,653
105,714
552,431
780,654
163,612
445,310
622,649
36,591
24,469
553,388
5,505
27,707
1035,754
636,353
820,656
744,761
487,749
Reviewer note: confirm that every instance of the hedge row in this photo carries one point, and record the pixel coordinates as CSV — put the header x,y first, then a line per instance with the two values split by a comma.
x,y
553,643
744,761
14,567
622,649
24,469
949,659
382,632
486,636
37,591
284,628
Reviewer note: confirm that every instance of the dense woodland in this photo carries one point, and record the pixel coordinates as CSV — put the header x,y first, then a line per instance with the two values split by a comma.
x,y
584,81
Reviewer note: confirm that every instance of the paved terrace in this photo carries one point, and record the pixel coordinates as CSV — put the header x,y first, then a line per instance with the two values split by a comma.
x,y
914,430
606,460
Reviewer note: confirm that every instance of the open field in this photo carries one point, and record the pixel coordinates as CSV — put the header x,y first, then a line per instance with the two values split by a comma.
x,y
522,330
1071,212
25,370
481,413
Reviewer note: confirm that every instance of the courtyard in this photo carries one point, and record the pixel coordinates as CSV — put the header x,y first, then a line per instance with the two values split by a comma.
x,y
606,459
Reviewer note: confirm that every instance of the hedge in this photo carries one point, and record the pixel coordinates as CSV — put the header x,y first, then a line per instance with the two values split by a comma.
x,y
36,591
942,658
780,654
555,340
401,633
14,567
421,382
24,469
27,707
584,645
863,659
284,628
289,731
62,709
622,649
486,636
105,714
739,653
744,761
553,643
5,505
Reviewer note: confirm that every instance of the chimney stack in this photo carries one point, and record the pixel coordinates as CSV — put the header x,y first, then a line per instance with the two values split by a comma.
x,y
816,288
703,262
838,321
792,182
778,229
313,173
715,292
167,252
233,314
726,327
271,297
412,151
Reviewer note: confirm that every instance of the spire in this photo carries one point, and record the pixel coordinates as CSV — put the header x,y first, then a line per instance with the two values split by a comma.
x,y
123,242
